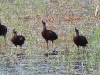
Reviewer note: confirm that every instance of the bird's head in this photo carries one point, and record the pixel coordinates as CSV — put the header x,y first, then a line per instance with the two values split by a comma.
x,y
43,22
14,31
77,31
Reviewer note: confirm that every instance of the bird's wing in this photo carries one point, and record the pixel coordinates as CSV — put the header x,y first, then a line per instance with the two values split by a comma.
x,y
53,34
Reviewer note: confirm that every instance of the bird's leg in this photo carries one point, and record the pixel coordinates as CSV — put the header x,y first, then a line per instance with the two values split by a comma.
x,y
52,43
21,46
5,38
47,44
84,51
16,46
78,50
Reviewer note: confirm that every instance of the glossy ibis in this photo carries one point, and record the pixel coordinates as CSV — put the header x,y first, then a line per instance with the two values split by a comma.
x,y
48,34
79,40
17,39
3,31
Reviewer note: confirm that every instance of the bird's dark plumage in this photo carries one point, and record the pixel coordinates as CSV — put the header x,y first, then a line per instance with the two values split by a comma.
x,y
17,39
48,34
3,31
79,40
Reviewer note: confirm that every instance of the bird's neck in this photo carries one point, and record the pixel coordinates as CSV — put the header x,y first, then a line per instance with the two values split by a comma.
x,y
44,27
15,34
77,34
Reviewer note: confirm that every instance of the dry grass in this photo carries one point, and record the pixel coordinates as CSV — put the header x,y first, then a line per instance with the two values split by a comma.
x,y
61,17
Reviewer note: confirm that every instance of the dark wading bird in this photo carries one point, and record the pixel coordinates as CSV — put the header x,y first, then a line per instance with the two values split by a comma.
x,y
48,34
79,40
3,31
17,39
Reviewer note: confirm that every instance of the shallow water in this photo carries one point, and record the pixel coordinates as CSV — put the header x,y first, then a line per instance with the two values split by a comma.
x,y
38,64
